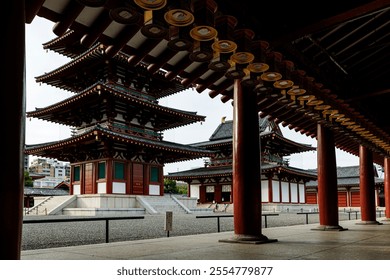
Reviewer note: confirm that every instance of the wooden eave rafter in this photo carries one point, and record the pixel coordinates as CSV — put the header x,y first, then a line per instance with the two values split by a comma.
x,y
190,69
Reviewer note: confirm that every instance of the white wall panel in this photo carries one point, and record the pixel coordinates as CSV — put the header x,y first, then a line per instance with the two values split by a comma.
x,y
275,191
118,187
102,187
285,192
294,192
264,191
302,198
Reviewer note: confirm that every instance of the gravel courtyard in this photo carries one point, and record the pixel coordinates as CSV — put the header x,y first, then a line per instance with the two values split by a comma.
x,y
48,235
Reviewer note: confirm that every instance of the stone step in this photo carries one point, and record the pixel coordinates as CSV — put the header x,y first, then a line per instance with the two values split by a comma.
x,y
164,203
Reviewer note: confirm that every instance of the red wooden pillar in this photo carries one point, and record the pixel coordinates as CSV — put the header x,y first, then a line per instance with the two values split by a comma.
x,y
246,168
161,179
13,116
95,170
109,176
189,188
327,180
367,187
232,192
202,193
218,193
387,186
270,192
128,177
146,171
82,178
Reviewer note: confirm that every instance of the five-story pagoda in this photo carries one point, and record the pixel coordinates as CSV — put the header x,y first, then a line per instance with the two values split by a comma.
x,y
116,145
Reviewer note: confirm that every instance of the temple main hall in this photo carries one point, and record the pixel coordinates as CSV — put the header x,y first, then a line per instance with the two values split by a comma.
x,y
280,182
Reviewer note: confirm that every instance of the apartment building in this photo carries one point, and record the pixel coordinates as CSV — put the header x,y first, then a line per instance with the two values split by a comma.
x,y
54,171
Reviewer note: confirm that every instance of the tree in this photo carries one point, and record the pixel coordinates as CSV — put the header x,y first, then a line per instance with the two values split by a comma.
x,y
170,186
28,181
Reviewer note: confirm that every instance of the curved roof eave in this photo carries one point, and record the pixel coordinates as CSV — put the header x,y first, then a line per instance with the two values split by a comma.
x,y
98,131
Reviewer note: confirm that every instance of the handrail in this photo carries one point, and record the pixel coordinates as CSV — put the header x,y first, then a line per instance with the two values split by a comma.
x,y
37,206
307,215
265,215
68,220
350,212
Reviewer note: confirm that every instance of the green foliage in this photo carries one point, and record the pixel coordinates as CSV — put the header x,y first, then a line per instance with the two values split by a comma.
x,y
182,189
170,186
28,181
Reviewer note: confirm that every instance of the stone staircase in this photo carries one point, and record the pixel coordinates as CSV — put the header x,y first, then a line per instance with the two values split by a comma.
x,y
162,204
52,205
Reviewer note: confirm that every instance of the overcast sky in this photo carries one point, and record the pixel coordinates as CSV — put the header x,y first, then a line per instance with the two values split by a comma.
x,y
39,61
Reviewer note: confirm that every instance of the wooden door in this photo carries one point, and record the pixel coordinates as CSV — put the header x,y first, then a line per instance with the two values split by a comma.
x,y
342,199
88,176
355,199
138,178
311,198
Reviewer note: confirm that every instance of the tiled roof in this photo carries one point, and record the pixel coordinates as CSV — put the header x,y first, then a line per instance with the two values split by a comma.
x,y
347,176
202,172
44,192
44,149
225,129
62,112
352,181
227,170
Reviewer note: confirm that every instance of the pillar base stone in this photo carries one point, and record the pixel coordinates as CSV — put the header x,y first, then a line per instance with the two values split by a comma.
x,y
248,239
330,228
369,223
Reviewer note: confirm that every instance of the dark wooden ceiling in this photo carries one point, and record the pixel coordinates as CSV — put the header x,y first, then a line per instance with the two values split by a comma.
x,y
345,46
337,53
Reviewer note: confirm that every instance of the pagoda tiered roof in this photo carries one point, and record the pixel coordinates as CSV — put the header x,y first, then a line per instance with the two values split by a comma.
x,y
94,65
93,102
67,45
97,141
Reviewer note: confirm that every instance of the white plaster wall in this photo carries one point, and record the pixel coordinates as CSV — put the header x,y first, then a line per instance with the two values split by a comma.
x,y
76,189
102,187
275,191
264,191
302,198
118,187
294,193
195,191
285,192
154,189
